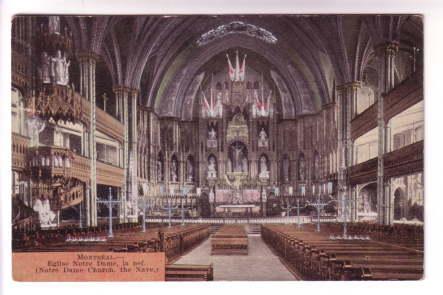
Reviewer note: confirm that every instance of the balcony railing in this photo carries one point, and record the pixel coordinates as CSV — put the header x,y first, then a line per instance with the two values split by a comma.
x,y
399,99
363,172
406,160
49,162
109,175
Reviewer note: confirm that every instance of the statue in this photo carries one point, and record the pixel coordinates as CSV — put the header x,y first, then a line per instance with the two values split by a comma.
x,y
366,204
263,135
35,126
45,68
45,215
263,195
212,138
235,184
301,169
285,169
264,172
65,79
211,195
212,172
238,159
212,135
60,69
174,177
219,105
262,138
190,171
159,170
54,25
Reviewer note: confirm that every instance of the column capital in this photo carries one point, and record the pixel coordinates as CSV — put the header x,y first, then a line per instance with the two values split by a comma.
x,y
134,91
121,88
88,56
352,85
390,48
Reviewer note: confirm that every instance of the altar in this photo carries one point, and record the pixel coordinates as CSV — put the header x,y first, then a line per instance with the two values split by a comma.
x,y
243,210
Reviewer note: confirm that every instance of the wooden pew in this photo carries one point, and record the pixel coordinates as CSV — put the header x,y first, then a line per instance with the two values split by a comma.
x,y
177,240
43,238
189,272
121,242
230,240
314,256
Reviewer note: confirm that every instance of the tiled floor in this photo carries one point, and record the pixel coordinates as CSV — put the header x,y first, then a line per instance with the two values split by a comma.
x,y
259,265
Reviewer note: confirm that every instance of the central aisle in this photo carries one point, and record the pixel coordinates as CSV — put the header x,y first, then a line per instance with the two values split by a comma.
x,y
259,265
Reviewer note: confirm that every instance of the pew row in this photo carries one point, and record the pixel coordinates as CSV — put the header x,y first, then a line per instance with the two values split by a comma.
x,y
174,241
230,240
313,256
189,272
177,240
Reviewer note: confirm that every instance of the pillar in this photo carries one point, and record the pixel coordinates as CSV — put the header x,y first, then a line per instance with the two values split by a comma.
x,y
134,151
87,89
122,93
347,94
385,57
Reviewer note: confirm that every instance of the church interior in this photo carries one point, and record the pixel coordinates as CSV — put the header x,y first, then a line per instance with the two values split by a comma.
x,y
228,142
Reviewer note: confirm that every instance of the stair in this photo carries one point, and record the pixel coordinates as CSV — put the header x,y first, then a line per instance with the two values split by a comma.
x,y
253,229
214,228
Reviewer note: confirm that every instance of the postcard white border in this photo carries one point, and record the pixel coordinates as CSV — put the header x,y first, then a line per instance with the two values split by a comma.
x,y
432,11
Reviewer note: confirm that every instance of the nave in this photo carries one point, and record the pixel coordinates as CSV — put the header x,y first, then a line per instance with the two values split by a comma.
x,y
261,264
164,127
254,252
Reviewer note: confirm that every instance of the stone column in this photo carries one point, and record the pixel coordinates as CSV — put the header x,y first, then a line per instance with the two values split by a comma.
x,y
87,89
386,56
347,95
134,175
121,94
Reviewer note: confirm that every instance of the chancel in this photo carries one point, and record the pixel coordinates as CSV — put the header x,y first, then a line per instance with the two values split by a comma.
x,y
279,137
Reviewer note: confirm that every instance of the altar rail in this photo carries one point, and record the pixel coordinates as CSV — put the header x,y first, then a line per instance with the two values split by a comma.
x,y
264,220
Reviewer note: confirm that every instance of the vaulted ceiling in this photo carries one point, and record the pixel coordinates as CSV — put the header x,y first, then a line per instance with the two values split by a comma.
x,y
161,56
